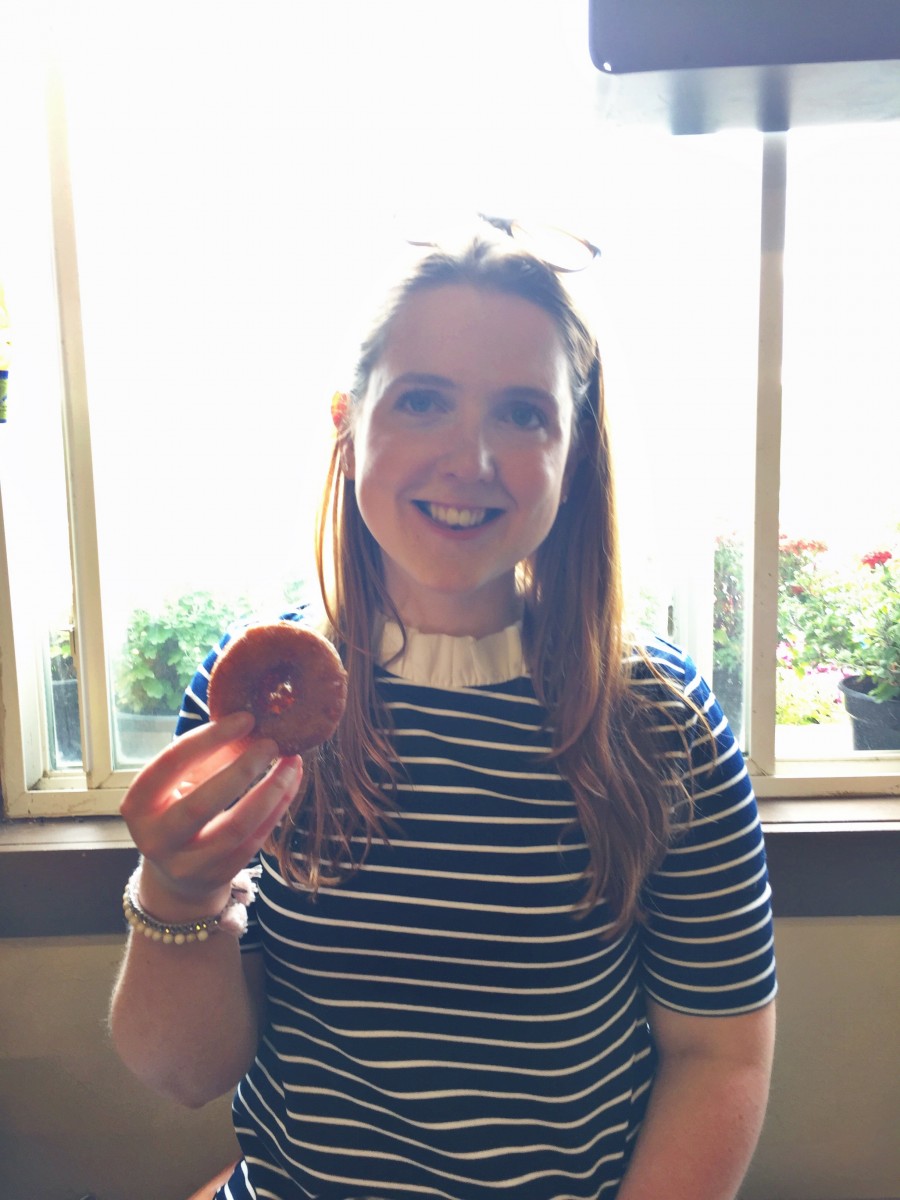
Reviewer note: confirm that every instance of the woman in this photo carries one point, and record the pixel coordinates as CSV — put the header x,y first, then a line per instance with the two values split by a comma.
x,y
513,934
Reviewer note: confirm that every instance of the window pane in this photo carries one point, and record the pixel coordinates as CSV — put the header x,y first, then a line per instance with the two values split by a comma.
x,y
677,327
31,444
840,499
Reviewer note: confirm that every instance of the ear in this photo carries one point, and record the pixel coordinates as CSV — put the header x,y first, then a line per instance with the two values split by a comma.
x,y
348,457
340,416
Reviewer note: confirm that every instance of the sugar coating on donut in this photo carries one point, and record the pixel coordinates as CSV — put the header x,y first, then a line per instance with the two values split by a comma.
x,y
290,678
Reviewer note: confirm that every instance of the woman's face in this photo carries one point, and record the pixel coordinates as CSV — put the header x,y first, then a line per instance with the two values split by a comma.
x,y
460,450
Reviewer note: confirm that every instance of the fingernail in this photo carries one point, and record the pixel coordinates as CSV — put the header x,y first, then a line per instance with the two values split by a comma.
x,y
289,771
237,724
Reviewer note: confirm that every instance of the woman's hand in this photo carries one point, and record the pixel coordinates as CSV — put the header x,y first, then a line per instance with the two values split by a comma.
x,y
200,811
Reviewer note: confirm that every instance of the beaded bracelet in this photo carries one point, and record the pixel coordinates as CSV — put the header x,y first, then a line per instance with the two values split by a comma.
x,y
232,919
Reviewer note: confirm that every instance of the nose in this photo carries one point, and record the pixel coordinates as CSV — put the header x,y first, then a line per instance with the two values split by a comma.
x,y
467,454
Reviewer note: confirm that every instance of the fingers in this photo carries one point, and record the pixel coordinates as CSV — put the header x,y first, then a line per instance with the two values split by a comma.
x,y
238,832
205,805
200,794
162,774
195,871
194,778
232,837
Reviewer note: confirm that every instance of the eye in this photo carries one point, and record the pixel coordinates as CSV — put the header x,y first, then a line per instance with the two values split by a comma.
x,y
524,415
419,400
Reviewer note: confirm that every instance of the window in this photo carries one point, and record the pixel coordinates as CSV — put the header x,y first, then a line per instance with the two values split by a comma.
x,y
202,236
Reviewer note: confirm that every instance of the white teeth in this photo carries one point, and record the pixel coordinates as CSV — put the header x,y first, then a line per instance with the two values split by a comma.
x,y
448,514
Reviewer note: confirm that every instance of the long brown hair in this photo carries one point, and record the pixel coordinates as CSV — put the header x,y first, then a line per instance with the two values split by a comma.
x,y
628,801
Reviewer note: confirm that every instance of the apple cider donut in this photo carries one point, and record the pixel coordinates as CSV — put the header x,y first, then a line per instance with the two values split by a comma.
x,y
290,678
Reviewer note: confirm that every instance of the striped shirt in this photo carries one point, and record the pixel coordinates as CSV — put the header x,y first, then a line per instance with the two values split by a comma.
x,y
443,1023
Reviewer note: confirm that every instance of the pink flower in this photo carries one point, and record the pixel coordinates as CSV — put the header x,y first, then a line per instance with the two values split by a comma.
x,y
785,654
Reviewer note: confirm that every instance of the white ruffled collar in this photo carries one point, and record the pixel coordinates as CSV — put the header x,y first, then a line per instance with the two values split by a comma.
x,y
443,660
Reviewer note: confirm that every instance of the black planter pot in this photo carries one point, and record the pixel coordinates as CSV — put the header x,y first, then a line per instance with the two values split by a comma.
x,y
876,723
66,725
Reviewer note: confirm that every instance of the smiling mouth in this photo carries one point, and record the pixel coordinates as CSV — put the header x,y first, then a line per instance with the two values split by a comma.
x,y
452,517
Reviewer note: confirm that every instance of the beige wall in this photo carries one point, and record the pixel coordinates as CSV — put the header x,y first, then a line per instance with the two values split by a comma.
x,y
73,1121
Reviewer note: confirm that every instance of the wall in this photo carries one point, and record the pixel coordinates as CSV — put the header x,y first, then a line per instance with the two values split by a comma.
x,y
73,1121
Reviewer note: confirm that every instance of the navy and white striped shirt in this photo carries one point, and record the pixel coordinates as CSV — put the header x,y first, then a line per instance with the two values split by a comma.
x,y
443,1024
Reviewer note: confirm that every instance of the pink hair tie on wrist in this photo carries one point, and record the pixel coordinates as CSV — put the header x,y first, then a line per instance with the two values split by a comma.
x,y
232,919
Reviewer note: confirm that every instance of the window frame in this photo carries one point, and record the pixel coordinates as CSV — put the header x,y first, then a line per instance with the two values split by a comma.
x,y
31,792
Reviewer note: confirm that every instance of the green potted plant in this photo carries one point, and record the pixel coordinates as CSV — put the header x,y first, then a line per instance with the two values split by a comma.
x,y
872,691
160,653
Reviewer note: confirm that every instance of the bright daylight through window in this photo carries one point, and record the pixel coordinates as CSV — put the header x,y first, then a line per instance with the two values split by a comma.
x,y
197,250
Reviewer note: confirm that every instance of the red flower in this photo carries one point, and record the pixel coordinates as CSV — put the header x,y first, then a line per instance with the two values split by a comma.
x,y
877,558
799,546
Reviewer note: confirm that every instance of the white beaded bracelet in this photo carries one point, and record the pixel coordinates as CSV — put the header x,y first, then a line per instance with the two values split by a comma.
x,y
232,919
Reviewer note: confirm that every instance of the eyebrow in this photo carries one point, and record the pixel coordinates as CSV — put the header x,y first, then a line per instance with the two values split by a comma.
x,y
513,392
421,379
530,393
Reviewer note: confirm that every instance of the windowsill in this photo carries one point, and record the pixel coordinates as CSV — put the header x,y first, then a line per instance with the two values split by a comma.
x,y
77,833
833,814
827,858
778,816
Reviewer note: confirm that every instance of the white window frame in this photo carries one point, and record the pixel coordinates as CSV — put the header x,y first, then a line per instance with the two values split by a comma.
x,y
30,791
866,774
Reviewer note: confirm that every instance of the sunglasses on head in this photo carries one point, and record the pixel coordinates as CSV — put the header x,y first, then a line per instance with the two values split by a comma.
x,y
557,248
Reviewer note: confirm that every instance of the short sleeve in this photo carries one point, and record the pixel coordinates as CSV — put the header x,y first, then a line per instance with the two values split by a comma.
x,y
194,709
707,945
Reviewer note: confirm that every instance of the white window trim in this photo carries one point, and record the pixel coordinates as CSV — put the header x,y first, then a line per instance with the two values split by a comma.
x,y
92,678
763,631
98,790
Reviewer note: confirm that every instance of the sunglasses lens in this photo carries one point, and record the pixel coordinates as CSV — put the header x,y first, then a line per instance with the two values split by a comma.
x,y
558,249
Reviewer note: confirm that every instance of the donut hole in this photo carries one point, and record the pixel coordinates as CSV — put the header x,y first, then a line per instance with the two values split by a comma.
x,y
276,692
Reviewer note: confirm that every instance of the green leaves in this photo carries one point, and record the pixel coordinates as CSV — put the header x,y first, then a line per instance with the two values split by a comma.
x,y
845,618
163,649
834,619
